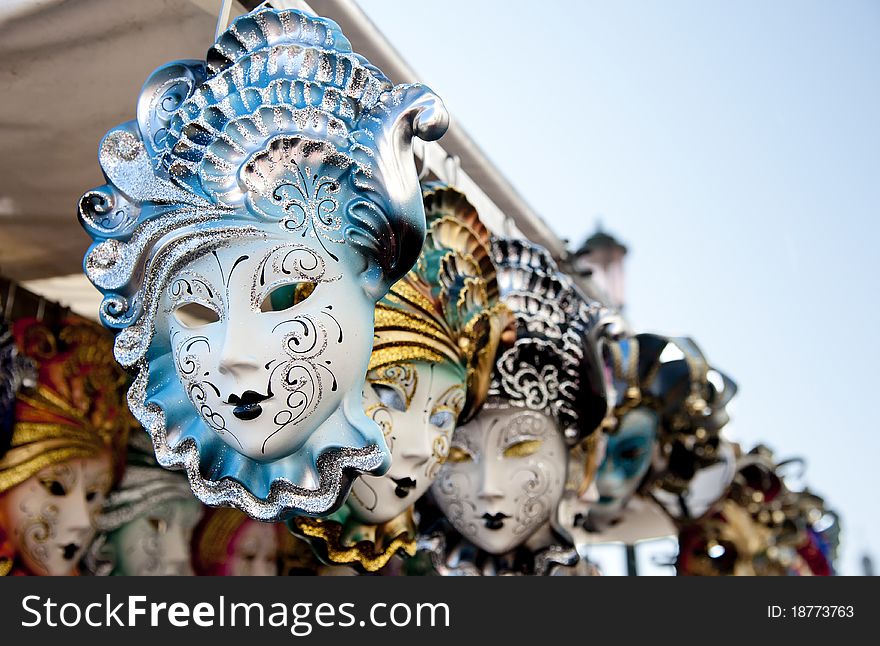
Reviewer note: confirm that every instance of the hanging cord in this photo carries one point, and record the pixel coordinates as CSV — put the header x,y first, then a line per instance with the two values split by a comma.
x,y
425,150
451,168
223,18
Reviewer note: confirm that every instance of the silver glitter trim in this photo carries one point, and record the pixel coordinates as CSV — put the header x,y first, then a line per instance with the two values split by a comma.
x,y
285,498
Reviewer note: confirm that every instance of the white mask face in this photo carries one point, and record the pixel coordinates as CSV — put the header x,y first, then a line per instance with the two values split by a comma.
x,y
158,542
416,405
50,516
504,477
255,552
627,459
266,339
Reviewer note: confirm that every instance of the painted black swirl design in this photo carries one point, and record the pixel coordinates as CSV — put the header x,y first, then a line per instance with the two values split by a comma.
x,y
310,204
304,374
327,311
189,370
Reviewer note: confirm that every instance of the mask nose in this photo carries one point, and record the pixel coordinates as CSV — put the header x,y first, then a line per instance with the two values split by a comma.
x,y
609,474
237,355
489,490
607,466
76,517
264,567
175,548
417,448
418,457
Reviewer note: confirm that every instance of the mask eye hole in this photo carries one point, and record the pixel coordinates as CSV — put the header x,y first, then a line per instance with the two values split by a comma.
x,y
390,396
195,315
522,449
286,296
159,525
458,454
54,487
630,452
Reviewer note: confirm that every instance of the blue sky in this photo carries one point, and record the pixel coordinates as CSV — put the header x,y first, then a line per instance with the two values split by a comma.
x,y
735,147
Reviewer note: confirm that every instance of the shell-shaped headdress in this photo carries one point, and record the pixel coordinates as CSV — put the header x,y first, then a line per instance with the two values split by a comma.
x,y
446,309
553,366
282,96
283,131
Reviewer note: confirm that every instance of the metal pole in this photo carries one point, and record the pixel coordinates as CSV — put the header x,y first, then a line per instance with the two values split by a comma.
x,y
223,18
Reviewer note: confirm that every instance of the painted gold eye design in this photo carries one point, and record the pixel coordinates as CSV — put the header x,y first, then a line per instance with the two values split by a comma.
x,y
379,414
286,296
195,315
458,454
522,449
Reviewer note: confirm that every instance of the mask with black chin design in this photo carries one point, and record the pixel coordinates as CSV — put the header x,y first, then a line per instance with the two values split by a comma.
x,y
417,404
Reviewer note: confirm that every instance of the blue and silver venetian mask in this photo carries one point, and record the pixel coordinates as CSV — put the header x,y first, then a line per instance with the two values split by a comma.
x,y
255,211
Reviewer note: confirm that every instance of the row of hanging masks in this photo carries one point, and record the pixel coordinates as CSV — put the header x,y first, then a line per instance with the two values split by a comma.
x,y
319,343
307,327
82,491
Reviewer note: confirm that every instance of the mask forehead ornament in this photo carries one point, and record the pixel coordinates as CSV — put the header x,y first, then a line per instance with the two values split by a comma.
x,y
622,359
552,367
278,171
447,309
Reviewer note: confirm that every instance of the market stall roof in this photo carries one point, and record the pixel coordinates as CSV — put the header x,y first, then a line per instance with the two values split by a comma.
x,y
71,70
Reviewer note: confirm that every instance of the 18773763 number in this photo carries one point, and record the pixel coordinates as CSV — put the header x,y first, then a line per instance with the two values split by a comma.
x,y
807,612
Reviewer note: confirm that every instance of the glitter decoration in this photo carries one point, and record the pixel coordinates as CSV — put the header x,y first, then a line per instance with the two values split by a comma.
x,y
282,135
53,422
443,314
553,365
